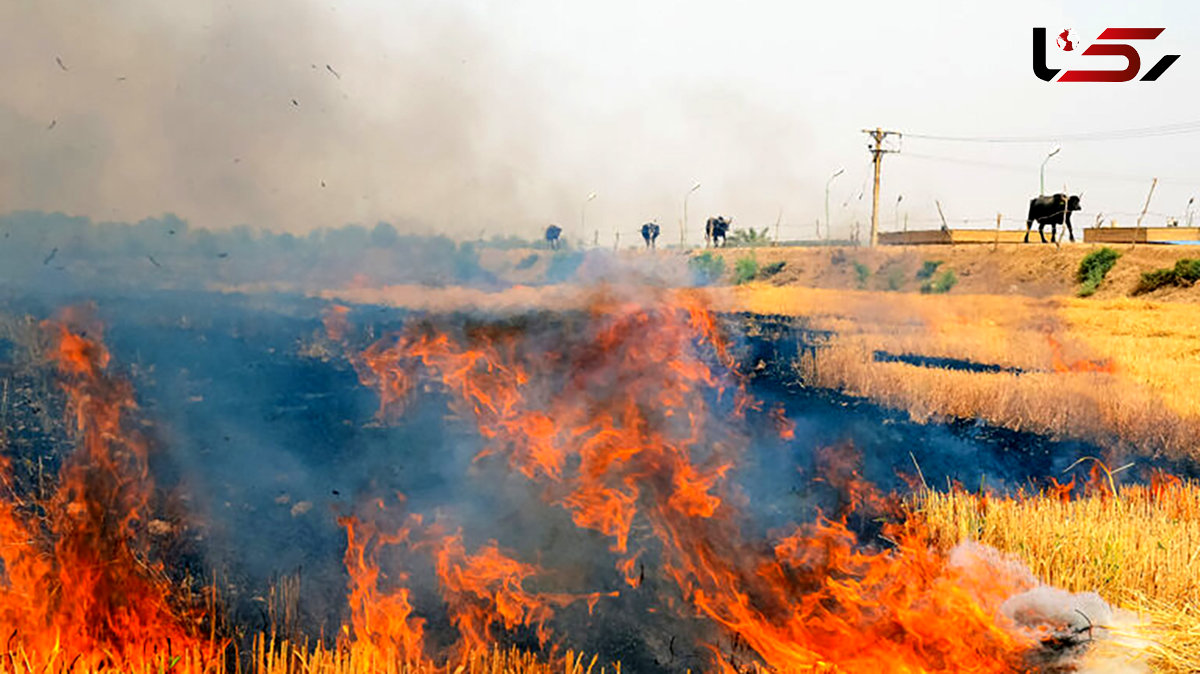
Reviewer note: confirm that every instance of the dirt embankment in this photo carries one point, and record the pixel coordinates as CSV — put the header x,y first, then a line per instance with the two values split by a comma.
x,y
1032,270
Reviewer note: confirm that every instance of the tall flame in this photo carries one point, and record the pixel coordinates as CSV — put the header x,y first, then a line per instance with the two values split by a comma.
x,y
77,579
620,419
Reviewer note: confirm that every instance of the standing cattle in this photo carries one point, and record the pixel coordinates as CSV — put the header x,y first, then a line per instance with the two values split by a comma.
x,y
553,232
716,228
1051,210
650,234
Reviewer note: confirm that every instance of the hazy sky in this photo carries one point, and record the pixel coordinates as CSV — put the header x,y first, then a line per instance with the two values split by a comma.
x,y
472,116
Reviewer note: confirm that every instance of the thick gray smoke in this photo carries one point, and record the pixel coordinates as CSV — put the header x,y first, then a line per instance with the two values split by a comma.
x,y
276,114
298,115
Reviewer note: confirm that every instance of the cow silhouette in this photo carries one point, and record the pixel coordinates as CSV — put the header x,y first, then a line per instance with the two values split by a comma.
x,y
1053,210
715,229
554,236
650,232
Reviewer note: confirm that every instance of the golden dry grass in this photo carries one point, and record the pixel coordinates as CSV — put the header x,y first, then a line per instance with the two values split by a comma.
x,y
1156,344
282,657
271,657
1139,551
1148,400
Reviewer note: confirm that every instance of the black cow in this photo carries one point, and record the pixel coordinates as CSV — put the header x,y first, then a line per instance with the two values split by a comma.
x,y
553,232
716,228
650,234
1051,210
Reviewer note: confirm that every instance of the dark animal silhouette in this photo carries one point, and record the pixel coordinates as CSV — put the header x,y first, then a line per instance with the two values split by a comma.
x,y
650,234
1053,210
553,234
716,228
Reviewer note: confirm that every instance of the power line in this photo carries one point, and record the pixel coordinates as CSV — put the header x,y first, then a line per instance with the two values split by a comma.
x,y
1025,168
1118,134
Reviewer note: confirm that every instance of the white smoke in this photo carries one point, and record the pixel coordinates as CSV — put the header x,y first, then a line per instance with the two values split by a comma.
x,y
1074,631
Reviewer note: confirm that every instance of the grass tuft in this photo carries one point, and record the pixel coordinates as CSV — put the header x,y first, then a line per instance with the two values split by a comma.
x,y
928,269
862,273
942,283
745,269
771,269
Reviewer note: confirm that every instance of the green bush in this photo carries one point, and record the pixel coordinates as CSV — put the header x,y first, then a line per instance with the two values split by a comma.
x,y
942,283
862,273
772,269
1093,268
1153,280
706,268
1184,273
1188,270
745,269
895,278
928,269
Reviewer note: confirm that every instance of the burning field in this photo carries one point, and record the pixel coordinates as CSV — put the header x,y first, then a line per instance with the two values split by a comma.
x,y
637,478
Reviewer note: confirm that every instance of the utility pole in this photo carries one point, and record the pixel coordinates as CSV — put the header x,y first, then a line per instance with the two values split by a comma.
x,y
877,135
1147,206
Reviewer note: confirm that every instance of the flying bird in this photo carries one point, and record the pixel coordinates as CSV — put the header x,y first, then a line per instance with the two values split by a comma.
x,y
49,257
295,103
53,123
153,261
330,69
58,60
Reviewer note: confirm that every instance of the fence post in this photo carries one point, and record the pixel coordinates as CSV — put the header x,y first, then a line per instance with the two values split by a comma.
x,y
996,243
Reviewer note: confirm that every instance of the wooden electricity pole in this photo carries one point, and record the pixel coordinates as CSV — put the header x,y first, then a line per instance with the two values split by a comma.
x,y
1147,206
877,134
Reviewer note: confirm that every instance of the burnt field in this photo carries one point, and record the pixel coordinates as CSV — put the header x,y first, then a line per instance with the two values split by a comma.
x,y
615,479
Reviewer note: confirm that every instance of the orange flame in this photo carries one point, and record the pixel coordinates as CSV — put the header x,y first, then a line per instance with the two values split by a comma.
x,y
783,425
77,579
1163,483
382,625
486,589
1061,491
618,423
1060,364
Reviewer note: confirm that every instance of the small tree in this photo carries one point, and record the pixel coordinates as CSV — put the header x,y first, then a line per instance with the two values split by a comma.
x,y
750,238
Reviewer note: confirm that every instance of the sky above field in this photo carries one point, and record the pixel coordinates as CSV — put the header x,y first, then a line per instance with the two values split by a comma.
x,y
472,117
